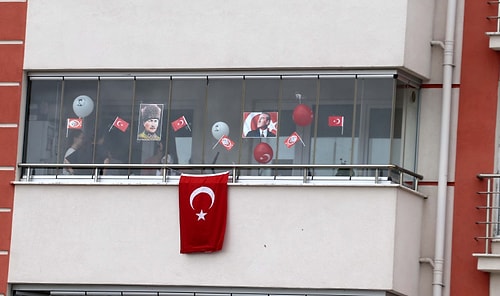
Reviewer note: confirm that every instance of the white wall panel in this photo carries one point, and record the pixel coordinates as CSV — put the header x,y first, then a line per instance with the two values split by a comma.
x,y
319,237
419,26
195,34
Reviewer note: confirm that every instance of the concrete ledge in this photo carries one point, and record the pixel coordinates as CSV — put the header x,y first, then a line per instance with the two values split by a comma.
x,y
494,40
488,262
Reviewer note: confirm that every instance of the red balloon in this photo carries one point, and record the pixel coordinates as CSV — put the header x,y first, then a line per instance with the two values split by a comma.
x,y
302,115
263,153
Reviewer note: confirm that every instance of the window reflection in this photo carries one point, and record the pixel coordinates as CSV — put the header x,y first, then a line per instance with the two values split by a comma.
x,y
42,128
187,107
261,95
113,129
222,118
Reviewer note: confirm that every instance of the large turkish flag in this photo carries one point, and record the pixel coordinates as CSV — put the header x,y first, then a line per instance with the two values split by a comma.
x,y
202,212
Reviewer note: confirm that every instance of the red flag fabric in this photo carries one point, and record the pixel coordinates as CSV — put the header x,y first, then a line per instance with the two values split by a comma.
x,y
120,124
335,120
226,142
202,212
74,123
179,123
292,140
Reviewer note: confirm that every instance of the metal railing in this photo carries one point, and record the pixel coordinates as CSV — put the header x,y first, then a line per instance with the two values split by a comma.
x,y
495,17
491,208
238,172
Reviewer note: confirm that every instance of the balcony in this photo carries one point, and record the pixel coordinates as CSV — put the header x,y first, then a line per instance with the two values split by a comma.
x,y
360,231
489,260
495,36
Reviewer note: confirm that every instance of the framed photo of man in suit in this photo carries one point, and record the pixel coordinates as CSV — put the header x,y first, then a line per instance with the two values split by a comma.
x,y
260,124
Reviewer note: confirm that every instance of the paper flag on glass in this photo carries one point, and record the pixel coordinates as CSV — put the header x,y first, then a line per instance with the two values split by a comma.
x,y
179,123
335,120
75,123
226,142
120,124
292,140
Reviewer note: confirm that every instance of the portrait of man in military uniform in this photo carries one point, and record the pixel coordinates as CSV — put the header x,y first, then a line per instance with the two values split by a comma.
x,y
149,127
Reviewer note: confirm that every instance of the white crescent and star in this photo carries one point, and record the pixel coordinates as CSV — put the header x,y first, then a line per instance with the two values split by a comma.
x,y
74,123
272,126
226,142
265,157
247,125
203,189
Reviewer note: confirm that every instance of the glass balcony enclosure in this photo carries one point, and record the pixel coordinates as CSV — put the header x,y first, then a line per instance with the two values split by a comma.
x,y
138,126
311,118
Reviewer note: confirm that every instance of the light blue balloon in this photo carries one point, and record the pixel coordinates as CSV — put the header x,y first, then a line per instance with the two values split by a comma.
x,y
220,129
83,106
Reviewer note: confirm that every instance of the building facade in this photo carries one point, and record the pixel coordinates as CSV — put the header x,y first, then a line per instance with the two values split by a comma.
x,y
379,118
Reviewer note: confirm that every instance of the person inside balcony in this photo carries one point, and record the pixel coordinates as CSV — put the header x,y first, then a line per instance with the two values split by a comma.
x,y
159,157
150,115
262,130
77,153
111,159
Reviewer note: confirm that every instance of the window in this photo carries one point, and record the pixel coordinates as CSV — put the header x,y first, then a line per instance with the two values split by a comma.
x,y
205,119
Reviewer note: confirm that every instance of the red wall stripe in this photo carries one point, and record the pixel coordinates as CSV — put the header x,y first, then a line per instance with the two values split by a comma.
x,y
6,222
438,85
434,183
10,102
11,62
13,27
8,146
12,20
475,147
6,189
4,262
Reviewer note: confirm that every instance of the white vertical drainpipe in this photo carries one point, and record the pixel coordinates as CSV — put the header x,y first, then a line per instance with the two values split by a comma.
x,y
439,247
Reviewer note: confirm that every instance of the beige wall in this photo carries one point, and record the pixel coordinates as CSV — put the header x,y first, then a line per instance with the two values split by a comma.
x,y
320,237
194,34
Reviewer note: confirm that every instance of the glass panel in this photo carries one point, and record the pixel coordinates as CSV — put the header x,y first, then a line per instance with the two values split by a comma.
x,y
42,128
79,102
298,116
223,121
150,133
114,114
261,96
410,129
335,123
187,112
404,143
374,98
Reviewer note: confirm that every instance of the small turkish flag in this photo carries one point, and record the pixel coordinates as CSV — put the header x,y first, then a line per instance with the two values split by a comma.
x,y
335,120
120,124
292,140
226,142
179,123
74,123
202,212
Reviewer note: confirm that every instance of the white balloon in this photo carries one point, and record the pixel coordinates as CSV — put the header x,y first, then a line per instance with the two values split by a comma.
x,y
83,106
220,129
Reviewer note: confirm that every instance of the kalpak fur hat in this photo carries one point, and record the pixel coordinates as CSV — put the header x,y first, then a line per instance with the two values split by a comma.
x,y
150,111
